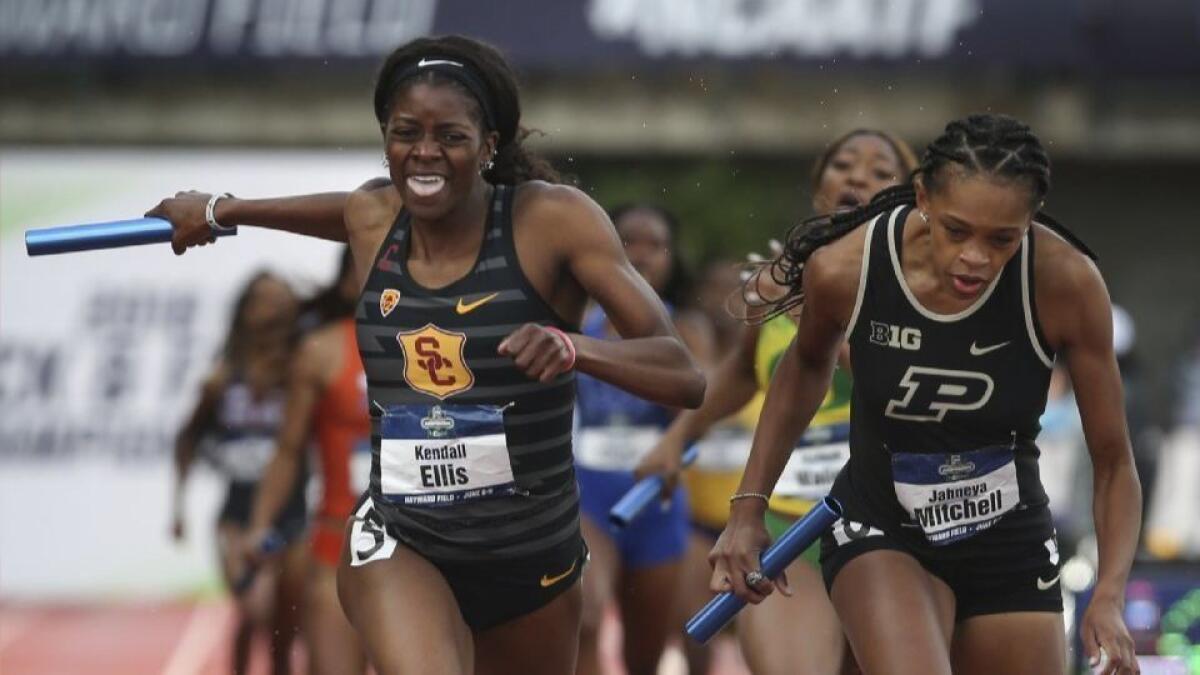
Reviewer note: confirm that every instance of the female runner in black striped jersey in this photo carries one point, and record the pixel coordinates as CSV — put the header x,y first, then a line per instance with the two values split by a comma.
x,y
954,297
464,208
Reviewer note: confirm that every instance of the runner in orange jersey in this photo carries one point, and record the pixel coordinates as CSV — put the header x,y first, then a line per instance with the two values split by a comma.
x,y
327,401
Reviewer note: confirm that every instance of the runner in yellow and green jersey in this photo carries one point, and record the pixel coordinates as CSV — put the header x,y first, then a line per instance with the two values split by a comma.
x,y
850,171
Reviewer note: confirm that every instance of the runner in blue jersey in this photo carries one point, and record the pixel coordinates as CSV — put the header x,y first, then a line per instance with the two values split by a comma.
x,y
637,567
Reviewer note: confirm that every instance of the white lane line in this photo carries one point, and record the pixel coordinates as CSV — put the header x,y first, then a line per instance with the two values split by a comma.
x,y
206,625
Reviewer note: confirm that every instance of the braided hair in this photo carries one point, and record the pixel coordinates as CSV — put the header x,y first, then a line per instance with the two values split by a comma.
x,y
513,162
997,145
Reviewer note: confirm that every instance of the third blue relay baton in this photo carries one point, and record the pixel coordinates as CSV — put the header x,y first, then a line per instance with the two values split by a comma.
x,y
273,542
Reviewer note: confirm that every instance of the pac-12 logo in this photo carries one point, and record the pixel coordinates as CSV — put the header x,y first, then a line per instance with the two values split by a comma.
x,y
434,362
896,337
929,393
388,300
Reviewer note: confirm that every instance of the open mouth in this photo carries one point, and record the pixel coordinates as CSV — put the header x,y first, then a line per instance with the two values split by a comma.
x,y
848,201
968,285
425,185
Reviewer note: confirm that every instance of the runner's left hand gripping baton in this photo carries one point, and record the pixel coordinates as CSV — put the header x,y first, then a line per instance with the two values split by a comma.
x,y
94,236
642,493
790,545
273,542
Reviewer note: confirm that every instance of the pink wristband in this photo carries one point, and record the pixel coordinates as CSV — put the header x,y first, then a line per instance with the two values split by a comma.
x,y
566,342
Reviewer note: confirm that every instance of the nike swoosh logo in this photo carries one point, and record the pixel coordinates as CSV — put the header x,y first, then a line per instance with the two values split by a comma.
x,y
547,582
1044,585
436,62
465,307
980,351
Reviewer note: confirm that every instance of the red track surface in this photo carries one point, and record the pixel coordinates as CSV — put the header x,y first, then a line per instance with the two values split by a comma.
x,y
169,639
174,639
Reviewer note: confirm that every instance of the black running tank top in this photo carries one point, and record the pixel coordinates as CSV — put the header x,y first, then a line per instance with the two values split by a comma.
x,y
426,347
944,406
242,440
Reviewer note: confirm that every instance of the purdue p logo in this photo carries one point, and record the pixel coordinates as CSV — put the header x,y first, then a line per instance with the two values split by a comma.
x,y
931,392
433,361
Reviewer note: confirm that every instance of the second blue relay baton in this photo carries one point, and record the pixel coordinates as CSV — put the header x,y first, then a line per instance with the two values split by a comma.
x,y
643,493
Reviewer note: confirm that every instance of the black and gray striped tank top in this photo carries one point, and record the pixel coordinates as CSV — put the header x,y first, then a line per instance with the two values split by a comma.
x,y
433,350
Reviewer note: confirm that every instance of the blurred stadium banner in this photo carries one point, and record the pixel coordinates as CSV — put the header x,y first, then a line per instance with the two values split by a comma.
x,y
1150,37
102,354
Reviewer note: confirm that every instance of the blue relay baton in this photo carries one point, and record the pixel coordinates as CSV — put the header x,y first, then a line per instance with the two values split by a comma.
x,y
94,236
790,545
272,543
642,493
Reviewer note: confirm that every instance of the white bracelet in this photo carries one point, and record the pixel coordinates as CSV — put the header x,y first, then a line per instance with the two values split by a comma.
x,y
210,214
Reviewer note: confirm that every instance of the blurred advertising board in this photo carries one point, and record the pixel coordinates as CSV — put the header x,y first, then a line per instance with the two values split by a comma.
x,y
1158,36
102,354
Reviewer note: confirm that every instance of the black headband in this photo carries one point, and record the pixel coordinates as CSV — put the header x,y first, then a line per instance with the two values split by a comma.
x,y
459,71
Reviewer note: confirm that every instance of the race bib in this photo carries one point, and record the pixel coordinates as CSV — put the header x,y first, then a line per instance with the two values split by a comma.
x,y
810,471
956,496
360,466
825,434
723,451
369,538
443,454
243,459
617,448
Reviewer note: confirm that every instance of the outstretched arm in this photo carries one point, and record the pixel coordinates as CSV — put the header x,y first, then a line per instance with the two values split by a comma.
x,y
314,215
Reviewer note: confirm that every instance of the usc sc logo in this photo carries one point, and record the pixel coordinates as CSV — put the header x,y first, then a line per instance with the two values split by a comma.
x,y
434,363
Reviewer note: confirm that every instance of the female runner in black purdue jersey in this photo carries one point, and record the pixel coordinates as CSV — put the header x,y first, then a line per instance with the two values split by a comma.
x,y
954,297
465,554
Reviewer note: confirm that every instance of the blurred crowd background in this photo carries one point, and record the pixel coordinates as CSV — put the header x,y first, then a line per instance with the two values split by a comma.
x,y
714,109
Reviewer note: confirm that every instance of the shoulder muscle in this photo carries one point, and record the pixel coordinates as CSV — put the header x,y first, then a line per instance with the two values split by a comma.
x,y
369,213
832,274
562,214
1071,295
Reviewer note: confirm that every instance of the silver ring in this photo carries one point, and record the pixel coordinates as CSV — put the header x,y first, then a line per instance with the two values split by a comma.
x,y
754,578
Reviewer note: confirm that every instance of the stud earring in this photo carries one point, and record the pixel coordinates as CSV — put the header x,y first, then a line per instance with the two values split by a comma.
x,y
925,216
